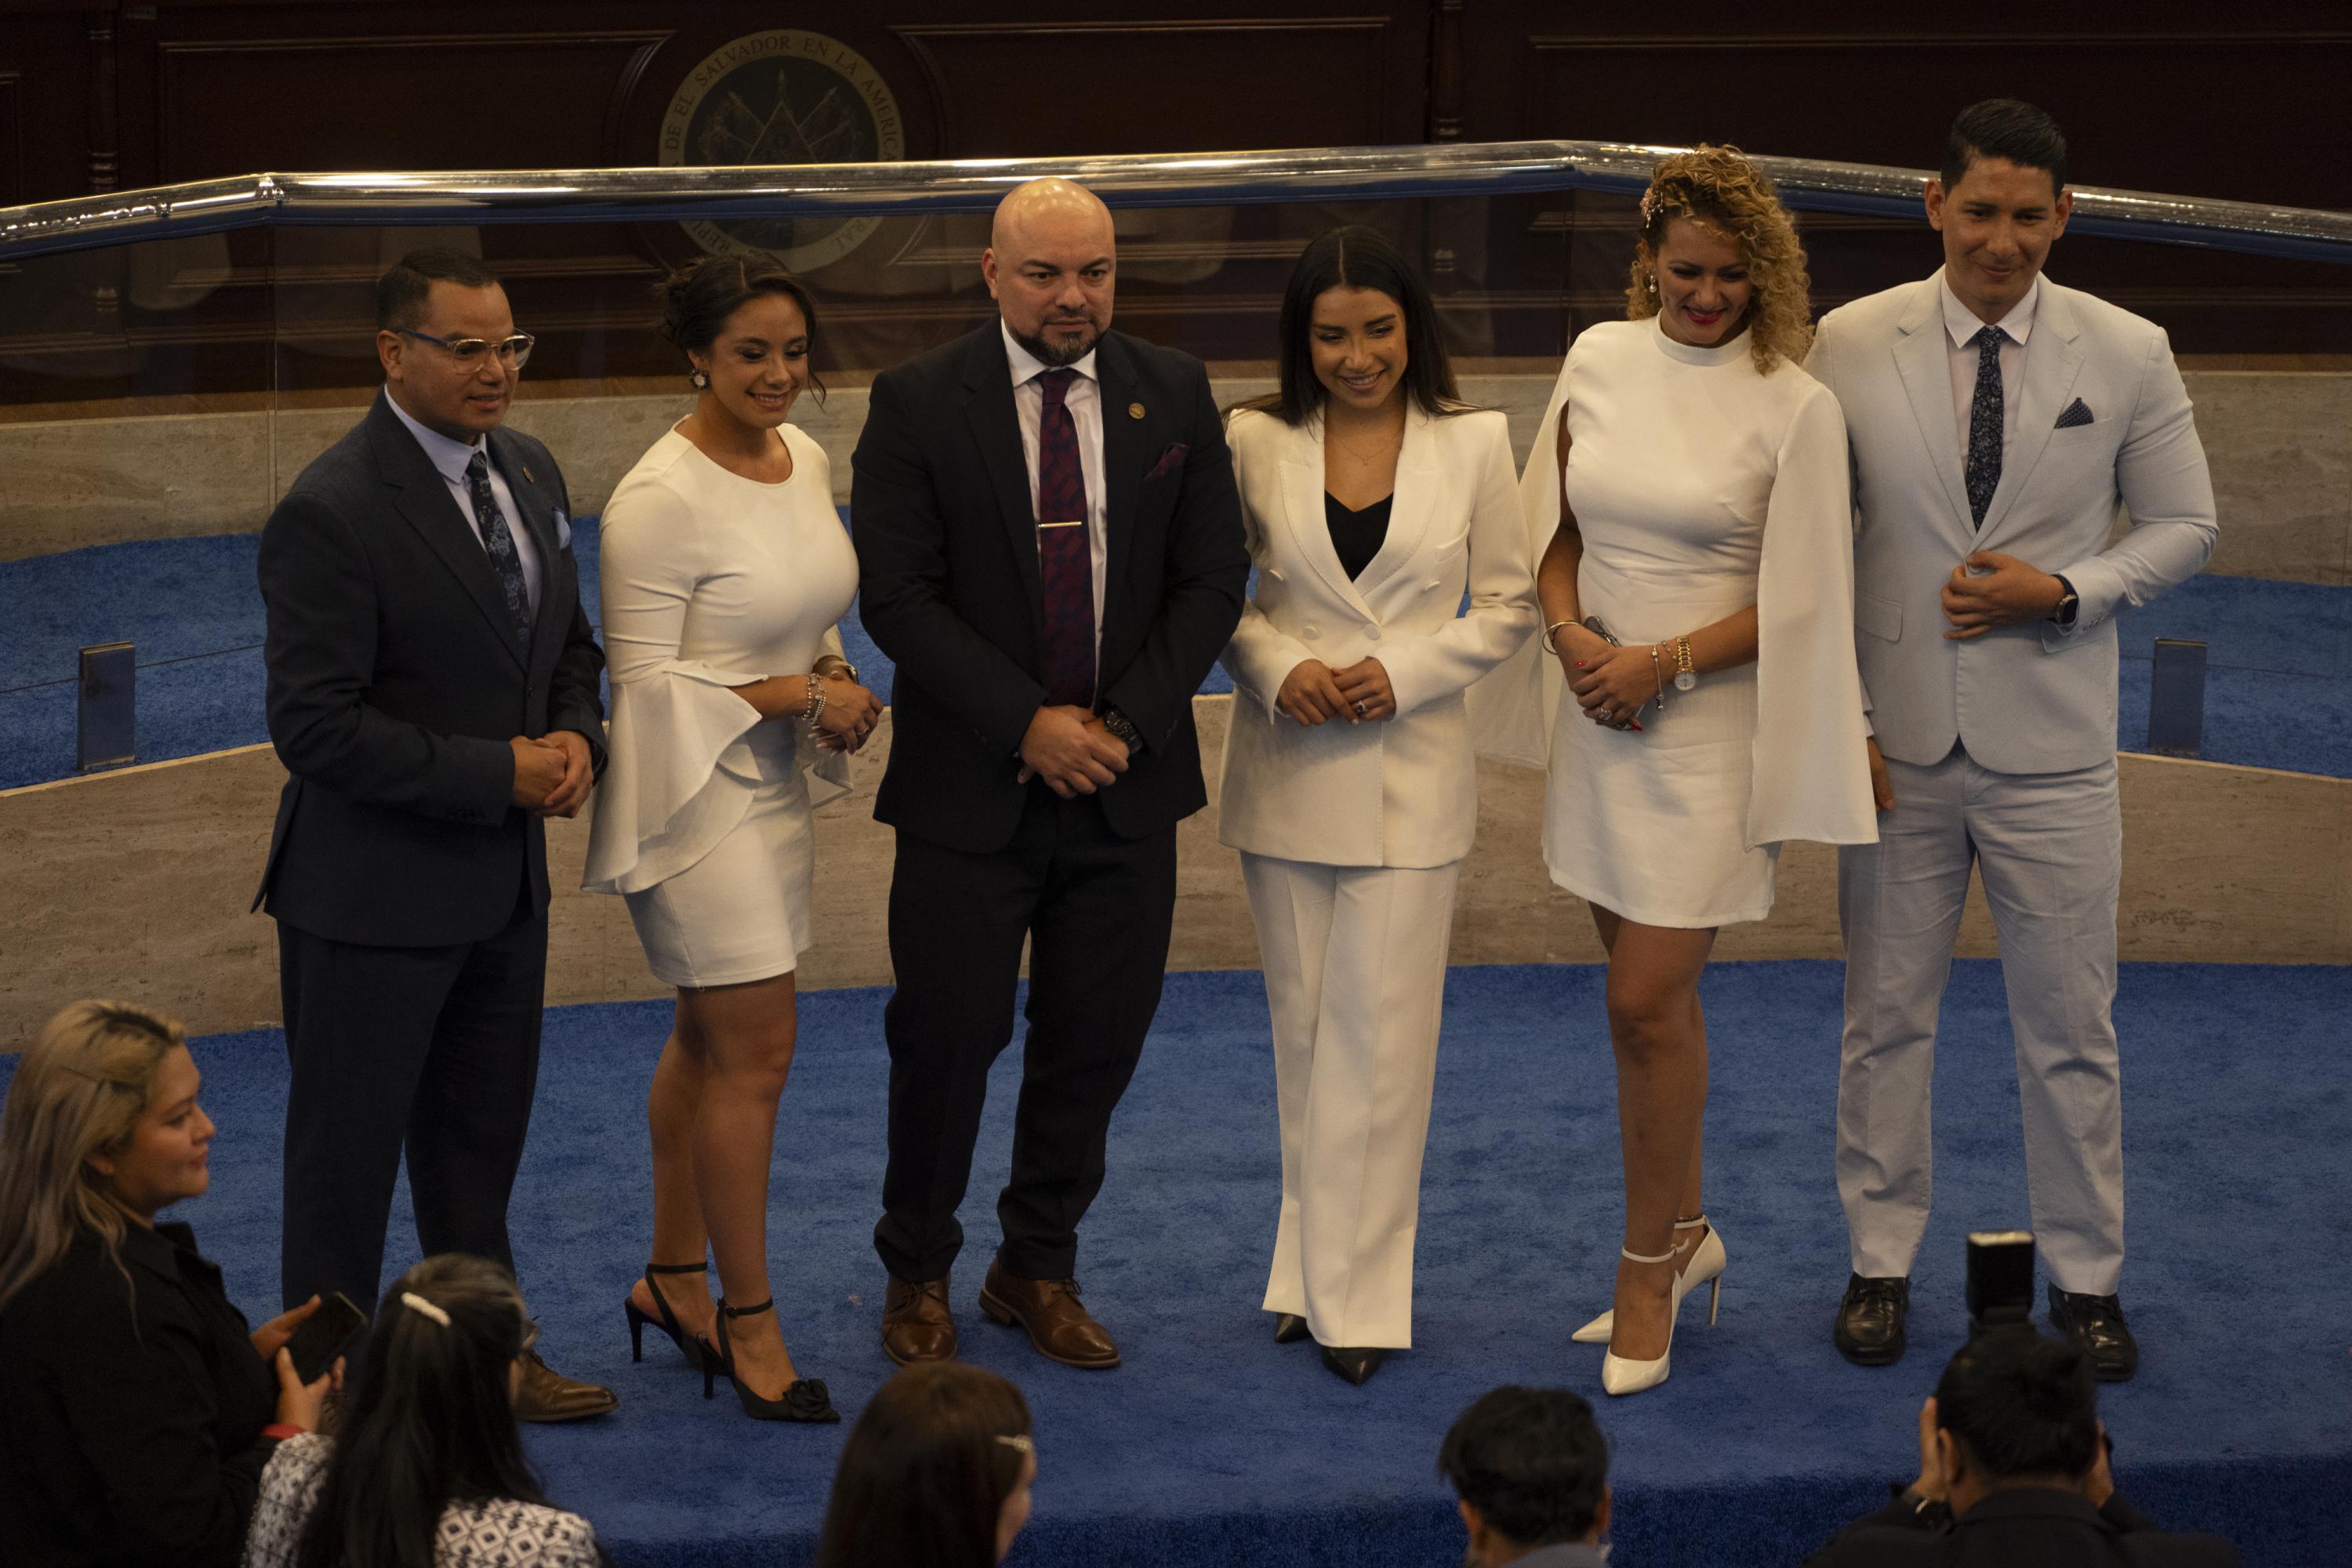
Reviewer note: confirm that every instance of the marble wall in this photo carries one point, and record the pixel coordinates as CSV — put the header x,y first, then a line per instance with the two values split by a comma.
x,y
135,884
2282,465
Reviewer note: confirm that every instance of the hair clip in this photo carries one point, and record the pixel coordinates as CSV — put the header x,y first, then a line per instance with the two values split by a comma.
x,y
1020,1441
417,1303
1649,205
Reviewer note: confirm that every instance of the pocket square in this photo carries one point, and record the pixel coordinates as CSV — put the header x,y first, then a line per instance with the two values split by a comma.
x,y
562,529
2077,413
1169,460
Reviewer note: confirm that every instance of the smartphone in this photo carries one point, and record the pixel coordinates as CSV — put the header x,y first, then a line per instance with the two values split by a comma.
x,y
324,1335
2001,1279
107,715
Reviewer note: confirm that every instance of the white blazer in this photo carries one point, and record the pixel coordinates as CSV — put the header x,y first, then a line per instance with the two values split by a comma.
x,y
1398,791
2027,698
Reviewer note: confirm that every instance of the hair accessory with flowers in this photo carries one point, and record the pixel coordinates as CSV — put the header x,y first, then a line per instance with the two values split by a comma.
x,y
1649,205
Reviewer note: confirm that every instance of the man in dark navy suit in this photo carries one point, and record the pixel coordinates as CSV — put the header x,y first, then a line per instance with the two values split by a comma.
x,y
1050,547
433,692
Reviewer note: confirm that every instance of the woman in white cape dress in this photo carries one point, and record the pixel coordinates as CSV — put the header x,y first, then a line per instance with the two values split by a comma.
x,y
1688,503
724,571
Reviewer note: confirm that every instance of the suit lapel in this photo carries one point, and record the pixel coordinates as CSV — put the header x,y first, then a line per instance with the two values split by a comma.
x,y
1417,490
1302,510
1924,362
996,428
1127,451
423,499
2052,359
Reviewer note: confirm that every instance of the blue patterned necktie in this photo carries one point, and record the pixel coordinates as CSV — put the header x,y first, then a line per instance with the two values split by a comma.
x,y
1985,415
501,545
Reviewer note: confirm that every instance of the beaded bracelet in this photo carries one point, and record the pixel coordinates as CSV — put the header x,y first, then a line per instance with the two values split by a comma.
x,y
815,708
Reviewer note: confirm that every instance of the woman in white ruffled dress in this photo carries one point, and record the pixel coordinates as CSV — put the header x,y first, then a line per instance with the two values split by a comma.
x,y
1688,503
725,574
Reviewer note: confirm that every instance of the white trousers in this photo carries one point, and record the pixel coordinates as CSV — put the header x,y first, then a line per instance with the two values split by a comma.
x,y
1355,978
2050,848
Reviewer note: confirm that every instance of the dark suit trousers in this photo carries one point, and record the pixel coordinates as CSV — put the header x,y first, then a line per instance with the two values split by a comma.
x,y
1097,909
433,1049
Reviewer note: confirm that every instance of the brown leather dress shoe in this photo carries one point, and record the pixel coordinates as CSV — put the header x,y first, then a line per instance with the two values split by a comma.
x,y
916,1322
1058,1327
547,1394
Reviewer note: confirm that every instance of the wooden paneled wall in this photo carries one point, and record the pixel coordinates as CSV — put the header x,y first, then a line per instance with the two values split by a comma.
x,y
100,96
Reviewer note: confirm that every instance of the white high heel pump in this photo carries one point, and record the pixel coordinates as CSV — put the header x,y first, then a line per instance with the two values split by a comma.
x,y
1706,1265
1618,1376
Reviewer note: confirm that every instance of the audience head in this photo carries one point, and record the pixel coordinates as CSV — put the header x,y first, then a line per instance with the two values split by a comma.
x,y
748,330
1359,327
935,1474
1531,1469
448,342
1999,201
2014,1409
431,1420
1050,263
101,1125
1718,256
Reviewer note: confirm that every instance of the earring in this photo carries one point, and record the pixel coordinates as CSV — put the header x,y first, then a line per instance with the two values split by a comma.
x,y
1652,282
701,382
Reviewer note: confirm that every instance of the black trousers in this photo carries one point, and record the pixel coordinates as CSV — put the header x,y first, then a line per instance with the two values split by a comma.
x,y
1096,909
434,1050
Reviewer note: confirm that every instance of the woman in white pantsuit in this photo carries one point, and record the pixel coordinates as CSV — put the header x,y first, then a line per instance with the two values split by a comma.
x,y
1689,496
1373,496
725,569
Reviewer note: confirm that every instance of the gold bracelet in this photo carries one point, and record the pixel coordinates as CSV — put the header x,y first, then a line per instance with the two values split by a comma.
x,y
1551,632
1685,675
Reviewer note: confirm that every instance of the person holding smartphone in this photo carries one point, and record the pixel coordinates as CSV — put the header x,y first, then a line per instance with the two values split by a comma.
x,y
140,1409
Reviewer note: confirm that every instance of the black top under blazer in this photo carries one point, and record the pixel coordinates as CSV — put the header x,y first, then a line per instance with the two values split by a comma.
x,y
133,1410
394,684
946,554
2027,1527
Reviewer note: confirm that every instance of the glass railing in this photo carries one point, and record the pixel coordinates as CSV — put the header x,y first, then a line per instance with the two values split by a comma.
x,y
170,361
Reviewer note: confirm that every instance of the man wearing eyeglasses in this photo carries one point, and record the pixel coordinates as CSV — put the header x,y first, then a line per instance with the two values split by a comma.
x,y
432,694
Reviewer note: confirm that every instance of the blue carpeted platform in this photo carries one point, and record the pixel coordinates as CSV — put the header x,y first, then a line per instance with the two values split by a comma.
x,y
1213,1445
2279,694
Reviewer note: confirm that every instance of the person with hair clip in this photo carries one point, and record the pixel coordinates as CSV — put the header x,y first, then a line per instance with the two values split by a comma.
x,y
726,572
140,1409
1690,503
2014,1473
936,1473
428,1470
1373,496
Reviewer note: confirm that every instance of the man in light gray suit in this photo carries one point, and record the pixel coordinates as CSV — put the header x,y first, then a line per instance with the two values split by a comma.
x,y
1997,423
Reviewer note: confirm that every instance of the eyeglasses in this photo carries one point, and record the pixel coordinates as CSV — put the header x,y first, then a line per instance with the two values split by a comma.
x,y
514,350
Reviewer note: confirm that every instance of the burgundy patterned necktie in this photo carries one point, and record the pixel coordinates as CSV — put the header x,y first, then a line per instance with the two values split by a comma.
x,y
1065,558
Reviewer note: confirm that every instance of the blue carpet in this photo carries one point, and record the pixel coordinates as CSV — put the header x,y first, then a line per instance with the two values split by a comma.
x,y
1213,1445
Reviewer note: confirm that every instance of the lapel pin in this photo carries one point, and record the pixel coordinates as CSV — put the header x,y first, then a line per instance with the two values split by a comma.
x,y
1135,411
526,475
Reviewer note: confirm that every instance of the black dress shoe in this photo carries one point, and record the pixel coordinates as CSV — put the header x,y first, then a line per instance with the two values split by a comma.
x,y
2095,1324
1356,1365
1288,1328
1869,1331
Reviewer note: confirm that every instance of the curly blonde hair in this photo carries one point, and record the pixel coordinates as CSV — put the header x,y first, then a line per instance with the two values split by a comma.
x,y
1718,188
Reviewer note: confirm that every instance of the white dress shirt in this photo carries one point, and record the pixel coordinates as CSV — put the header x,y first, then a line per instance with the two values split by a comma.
x,y
1962,324
449,460
1084,400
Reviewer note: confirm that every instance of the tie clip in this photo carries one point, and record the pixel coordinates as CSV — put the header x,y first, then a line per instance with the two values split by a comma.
x,y
1079,522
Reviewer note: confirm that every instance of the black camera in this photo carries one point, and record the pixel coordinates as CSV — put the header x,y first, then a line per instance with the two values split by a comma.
x,y
2001,1281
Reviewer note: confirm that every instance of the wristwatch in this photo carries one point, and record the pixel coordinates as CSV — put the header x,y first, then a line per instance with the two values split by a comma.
x,y
840,666
1119,724
2070,604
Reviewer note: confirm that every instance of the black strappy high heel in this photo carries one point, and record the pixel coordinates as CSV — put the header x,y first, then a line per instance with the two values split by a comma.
x,y
803,1399
690,1346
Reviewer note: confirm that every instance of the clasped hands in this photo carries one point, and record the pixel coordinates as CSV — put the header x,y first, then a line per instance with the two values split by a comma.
x,y
850,713
552,773
1989,589
1070,749
1313,692
1611,683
